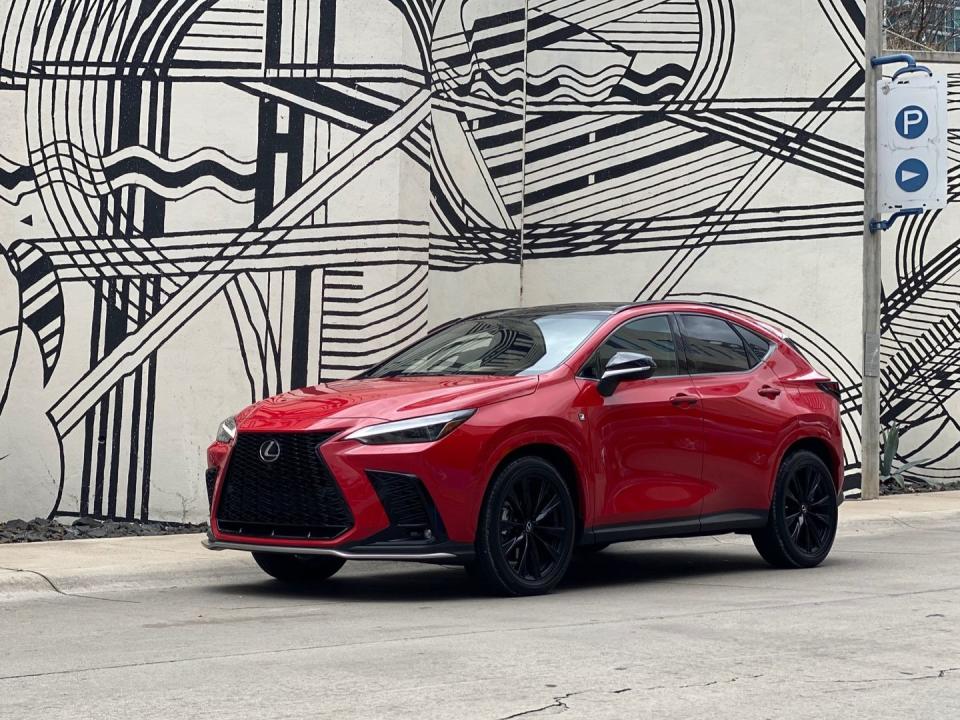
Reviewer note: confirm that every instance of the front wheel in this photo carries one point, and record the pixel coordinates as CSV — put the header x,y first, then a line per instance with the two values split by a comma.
x,y
527,528
298,569
803,516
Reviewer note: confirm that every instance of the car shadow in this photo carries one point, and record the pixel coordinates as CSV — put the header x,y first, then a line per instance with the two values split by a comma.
x,y
408,582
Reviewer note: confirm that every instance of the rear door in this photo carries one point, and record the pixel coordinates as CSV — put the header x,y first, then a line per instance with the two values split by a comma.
x,y
744,409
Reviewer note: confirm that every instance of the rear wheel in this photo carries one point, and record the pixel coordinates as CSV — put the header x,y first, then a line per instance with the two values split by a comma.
x,y
803,516
527,529
298,569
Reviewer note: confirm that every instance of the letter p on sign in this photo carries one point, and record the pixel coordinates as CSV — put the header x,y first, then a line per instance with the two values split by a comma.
x,y
912,122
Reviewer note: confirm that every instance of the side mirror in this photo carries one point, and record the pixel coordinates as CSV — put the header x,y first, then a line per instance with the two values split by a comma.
x,y
625,366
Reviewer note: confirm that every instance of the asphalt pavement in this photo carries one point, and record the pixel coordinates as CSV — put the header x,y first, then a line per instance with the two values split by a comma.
x,y
159,628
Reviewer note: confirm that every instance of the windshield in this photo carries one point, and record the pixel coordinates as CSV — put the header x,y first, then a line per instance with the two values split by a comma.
x,y
506,345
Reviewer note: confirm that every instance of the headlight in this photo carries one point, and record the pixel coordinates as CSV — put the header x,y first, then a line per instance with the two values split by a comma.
x,y
227,430
422,429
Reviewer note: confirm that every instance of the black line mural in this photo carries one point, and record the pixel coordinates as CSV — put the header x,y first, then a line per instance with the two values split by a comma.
x,y
204,202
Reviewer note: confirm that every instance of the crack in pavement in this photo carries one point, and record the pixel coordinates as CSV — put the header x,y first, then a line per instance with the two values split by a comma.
x,y
717,682
558,703
560,706
939,674
65,593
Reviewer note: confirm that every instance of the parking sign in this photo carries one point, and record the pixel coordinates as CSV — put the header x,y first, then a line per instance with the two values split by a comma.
x,y
912,138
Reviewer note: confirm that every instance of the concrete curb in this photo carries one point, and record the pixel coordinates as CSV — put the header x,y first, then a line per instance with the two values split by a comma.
x,y
86,568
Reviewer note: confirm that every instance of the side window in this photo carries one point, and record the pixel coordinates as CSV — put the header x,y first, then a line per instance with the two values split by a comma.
x,y
651,336
756,344
712,345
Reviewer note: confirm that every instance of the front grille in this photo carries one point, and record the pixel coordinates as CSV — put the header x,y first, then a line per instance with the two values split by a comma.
x,y
295,496
407,503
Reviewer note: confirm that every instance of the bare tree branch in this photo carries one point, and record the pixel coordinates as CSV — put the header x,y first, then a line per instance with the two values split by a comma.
x,y
925,24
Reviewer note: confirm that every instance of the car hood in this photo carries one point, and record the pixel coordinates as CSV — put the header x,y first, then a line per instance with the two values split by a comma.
x,y
387,399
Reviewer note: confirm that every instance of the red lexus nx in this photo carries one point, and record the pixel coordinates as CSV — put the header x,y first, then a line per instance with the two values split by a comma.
x,y
507,441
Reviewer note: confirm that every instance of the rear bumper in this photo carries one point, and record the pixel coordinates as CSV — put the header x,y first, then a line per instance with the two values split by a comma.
x,y
440,553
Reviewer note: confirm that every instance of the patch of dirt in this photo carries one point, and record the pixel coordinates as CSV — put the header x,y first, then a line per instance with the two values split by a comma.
x,y
914,486
41,530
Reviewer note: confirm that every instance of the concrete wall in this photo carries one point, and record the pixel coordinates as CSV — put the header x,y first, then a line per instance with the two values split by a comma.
x,y
205,202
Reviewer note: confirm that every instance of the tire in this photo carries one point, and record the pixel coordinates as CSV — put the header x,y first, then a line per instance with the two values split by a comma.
x,y
527,529
298,569
802,523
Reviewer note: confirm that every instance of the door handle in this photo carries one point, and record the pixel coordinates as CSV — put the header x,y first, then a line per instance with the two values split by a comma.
x,y
683,400
768,391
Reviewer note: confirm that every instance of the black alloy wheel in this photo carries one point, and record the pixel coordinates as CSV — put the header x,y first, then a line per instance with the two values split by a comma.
x,y
807,501
803,518
527,529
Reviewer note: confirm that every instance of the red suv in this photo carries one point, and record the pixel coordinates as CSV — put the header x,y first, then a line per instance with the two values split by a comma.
x,y
507,441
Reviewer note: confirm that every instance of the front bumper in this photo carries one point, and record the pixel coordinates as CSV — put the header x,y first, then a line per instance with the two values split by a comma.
x,y
440,553
446,473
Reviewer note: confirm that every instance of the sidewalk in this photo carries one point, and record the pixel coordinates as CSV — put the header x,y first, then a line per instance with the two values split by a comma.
x,y
85,567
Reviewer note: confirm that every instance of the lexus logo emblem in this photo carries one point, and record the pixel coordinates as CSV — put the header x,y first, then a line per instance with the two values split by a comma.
x,y
270,451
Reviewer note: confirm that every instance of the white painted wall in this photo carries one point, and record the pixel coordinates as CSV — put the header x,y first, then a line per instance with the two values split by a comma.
x,y
567,151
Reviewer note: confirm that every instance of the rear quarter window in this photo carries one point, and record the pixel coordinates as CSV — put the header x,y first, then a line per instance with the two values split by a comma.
x,y
757,345
713,346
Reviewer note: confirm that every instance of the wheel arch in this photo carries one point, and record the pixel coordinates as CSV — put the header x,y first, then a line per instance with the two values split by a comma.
x,y
559,458
822,449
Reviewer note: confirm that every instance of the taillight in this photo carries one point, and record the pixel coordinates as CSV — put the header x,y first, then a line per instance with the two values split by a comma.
x,y
830,387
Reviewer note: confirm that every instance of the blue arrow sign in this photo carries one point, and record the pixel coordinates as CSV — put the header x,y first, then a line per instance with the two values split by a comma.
x,y
912,175
912,122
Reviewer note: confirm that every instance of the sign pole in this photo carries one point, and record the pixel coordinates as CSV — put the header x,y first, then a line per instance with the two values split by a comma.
x,y
870,412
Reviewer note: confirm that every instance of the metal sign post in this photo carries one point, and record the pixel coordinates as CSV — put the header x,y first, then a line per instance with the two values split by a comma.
x,y
905,173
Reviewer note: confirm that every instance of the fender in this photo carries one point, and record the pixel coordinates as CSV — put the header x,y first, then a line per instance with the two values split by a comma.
x,y
816,427
564,435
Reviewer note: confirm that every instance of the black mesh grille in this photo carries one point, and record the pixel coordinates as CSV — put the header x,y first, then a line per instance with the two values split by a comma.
x,y
407,503
295,496
211,480
401,497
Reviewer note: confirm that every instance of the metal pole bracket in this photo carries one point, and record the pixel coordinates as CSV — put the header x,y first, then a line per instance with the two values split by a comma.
x,y
900,58
881,225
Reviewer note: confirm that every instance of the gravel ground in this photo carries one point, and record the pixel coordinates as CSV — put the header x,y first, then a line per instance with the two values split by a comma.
x,y
40,530
913,487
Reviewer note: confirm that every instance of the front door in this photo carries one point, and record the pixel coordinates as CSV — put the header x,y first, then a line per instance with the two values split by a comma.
x,y
647,435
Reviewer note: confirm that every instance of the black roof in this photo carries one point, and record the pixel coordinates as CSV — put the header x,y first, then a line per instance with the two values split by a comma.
x,y
600,308
565,309
539,311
